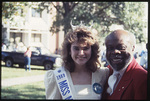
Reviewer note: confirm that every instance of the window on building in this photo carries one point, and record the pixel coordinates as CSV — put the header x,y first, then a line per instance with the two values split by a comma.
x,y
36,37
36,12
15,38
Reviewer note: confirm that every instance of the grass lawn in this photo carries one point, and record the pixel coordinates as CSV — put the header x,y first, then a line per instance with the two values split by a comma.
x,y
34,90
26,91
15,71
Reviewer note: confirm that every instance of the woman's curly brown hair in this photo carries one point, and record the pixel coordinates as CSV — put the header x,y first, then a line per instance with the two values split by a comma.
x,y
80,35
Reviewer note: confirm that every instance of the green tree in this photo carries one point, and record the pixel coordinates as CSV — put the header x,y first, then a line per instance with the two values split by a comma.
x,y
104,14
12,8
131,15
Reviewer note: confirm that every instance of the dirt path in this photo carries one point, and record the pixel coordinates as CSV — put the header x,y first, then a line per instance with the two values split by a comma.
x,y
21,80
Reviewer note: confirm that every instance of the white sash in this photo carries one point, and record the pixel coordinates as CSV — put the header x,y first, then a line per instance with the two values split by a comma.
x,y
63,84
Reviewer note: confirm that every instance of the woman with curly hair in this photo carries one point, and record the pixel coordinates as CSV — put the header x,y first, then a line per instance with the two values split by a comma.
x,y
82,76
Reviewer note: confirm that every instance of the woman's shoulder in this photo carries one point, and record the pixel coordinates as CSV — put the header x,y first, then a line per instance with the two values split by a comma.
x,y
49,73
101,75
49,76
103,70
52,91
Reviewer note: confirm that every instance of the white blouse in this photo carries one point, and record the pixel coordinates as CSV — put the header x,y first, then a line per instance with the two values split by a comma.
x,y
78,91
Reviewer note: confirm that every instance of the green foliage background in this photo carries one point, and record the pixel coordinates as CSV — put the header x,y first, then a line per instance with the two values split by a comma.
x,y
104,14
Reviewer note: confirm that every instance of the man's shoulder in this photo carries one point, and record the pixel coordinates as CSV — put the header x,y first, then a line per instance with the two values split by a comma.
x,y
139,73
140,70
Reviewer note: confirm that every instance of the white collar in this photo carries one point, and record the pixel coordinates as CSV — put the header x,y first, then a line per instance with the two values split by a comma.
x,y
121,72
